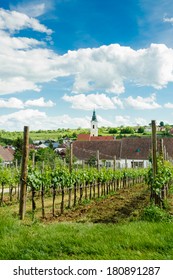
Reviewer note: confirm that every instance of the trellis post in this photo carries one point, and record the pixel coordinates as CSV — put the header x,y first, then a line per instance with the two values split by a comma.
x,y
24,171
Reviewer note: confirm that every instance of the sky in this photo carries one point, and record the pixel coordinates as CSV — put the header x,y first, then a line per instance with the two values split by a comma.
x,y
61,59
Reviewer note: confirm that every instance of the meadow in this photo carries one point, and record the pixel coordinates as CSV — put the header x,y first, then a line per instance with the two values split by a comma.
x,y
76,241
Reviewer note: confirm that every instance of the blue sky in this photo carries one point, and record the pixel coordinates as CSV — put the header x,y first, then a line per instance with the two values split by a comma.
x,y
60,59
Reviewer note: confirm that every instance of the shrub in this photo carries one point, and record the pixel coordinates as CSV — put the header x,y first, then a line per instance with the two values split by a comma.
x,y
154,213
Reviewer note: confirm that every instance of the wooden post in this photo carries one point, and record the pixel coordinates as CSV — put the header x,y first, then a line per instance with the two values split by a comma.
x,y
98,160
71,157
114,164
33,159
161,152
24,171
154,148
154,161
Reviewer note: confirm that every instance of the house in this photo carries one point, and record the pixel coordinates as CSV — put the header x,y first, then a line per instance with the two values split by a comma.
x,y
129,152
6,156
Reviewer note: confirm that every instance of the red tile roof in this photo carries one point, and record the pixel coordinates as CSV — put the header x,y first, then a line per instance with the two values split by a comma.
x,y
87,137
86,149
126,148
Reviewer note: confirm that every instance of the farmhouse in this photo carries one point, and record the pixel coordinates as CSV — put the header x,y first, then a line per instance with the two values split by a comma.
x,y
128,152
6,156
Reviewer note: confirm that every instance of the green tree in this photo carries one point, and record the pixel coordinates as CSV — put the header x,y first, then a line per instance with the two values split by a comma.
x,y
141,129
127,130
113,130
92,161
46,155
18,145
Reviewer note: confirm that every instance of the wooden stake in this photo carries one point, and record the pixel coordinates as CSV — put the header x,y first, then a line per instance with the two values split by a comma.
x,y
71,157
154,148
24,171
98,160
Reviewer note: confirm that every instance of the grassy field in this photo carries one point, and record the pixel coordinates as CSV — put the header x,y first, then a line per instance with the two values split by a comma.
x,y
119,232
134,240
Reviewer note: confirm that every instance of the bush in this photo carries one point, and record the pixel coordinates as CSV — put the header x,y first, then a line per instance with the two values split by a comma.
x,y
154,213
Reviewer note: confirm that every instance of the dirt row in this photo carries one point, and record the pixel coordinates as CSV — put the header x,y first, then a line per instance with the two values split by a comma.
x,y
125,204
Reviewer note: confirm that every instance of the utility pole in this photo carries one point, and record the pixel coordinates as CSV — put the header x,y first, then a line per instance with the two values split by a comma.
x,y
24,171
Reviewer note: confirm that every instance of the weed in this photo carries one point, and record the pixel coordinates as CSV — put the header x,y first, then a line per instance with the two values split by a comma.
x,y
154,213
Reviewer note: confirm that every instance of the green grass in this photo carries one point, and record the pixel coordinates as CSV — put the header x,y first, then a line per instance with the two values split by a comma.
x,y
38,241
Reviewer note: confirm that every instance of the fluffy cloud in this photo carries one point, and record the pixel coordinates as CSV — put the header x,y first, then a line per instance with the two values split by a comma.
x,y
168,105
33,8
93,101
15,21
27,63
36,120
166,19
142,103
40,103
17,103
128,121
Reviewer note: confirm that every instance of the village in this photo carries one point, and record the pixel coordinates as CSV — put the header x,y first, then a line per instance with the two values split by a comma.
x,y
124,152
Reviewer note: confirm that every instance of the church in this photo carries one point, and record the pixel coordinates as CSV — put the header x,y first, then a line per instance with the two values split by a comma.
x,y
93,136
132,152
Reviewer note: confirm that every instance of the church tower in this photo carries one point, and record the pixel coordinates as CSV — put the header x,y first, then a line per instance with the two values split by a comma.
x,y
94,125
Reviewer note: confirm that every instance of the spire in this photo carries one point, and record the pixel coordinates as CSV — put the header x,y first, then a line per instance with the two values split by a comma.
x,y
94,118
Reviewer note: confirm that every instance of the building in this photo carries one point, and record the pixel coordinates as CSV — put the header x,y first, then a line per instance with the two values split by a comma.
x,y
6,156
94,125
129,152
93,136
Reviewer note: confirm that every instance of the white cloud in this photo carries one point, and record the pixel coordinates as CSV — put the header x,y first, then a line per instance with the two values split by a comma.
x,y
36,120
106,69
166,19
15,21
93,101
33,8
142,103
17,120
168,105
11,103
39,103
122,120
129,121
19,104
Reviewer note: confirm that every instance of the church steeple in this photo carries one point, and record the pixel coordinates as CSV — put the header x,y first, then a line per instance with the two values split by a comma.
x,y
94,125
94,118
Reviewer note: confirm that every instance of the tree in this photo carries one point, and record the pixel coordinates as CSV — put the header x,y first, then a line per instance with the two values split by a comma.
x,y
92,161
127,130
46,155
113,130
18,145
141,129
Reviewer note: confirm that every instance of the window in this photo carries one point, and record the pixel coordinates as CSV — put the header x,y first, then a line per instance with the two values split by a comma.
x,y
93,126
137,164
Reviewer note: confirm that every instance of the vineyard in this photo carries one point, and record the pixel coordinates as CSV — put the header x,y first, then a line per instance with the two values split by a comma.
x,y
51,192
44,190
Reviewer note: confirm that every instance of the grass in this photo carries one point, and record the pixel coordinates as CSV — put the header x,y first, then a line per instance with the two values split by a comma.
x,y
38,241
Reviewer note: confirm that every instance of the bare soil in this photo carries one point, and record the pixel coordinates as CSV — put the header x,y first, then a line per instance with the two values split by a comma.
x,y
124,205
